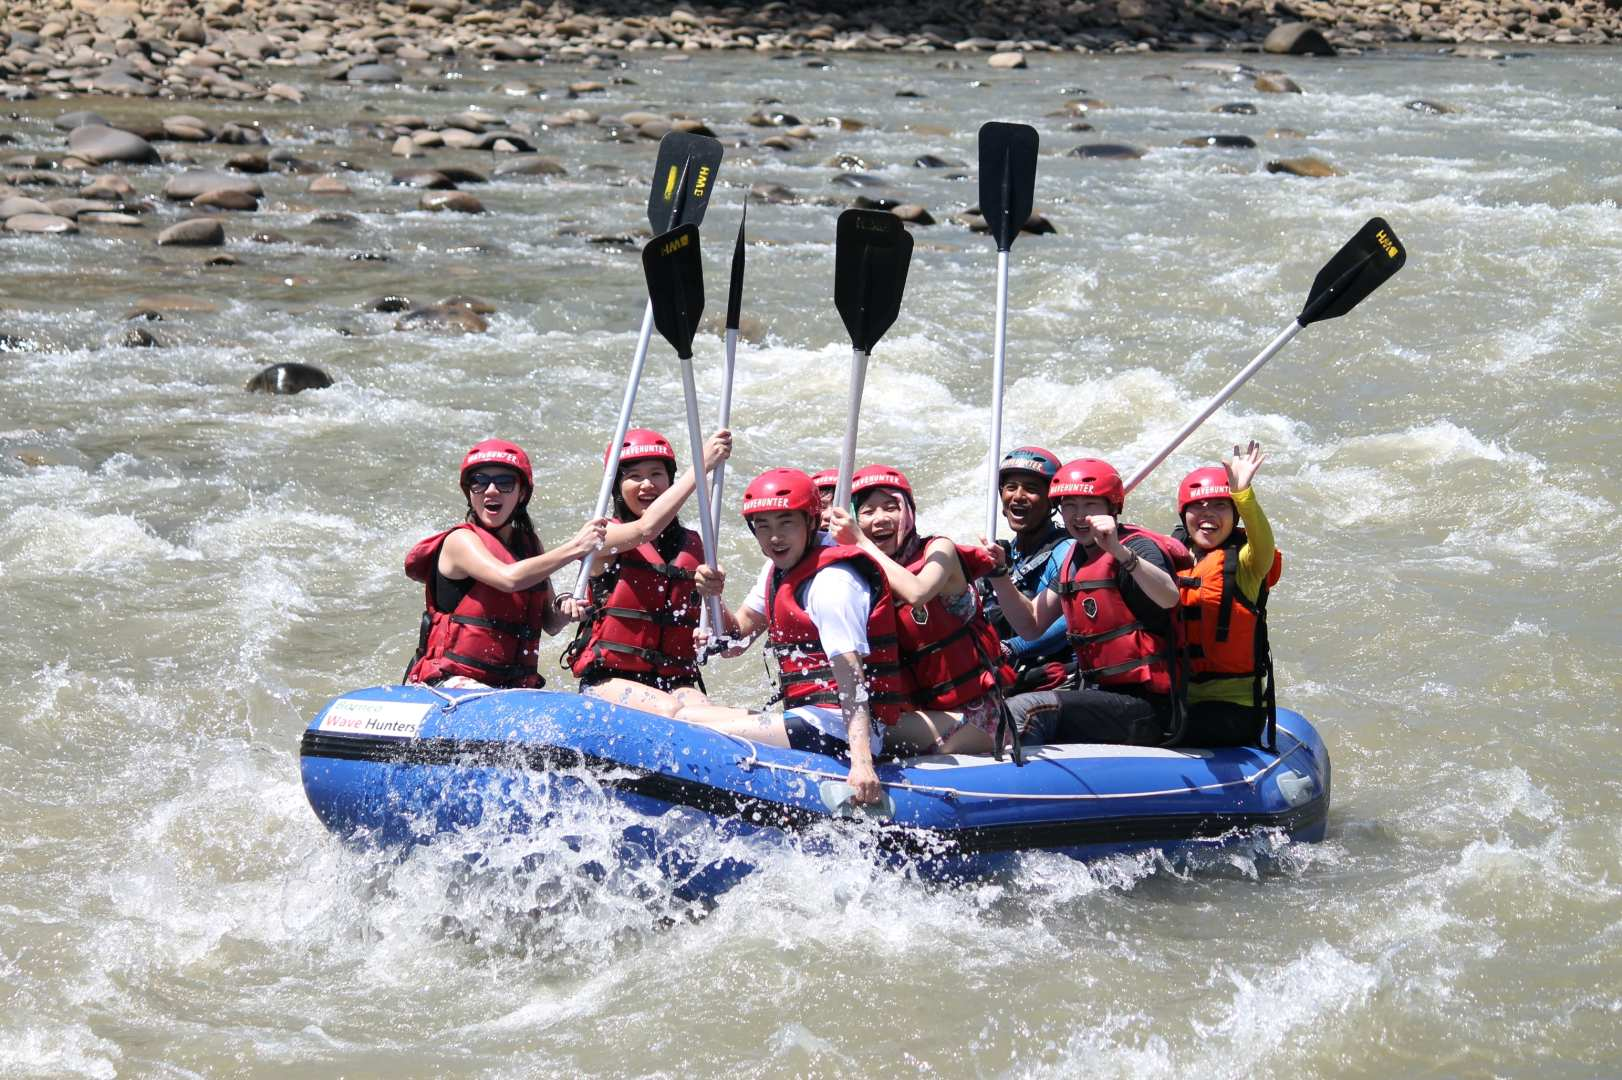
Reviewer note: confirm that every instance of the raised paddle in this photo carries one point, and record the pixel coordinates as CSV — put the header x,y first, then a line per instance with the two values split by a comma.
x,y
734,313
1007,186
1357,269
683,177
872,250
675,276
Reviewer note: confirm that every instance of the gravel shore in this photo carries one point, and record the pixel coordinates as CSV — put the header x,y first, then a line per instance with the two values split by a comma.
x,y
232,48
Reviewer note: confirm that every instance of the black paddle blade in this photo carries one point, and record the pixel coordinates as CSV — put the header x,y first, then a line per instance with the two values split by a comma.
x,y
683,176
735,289
1007,178
675,285
872,250
1357,269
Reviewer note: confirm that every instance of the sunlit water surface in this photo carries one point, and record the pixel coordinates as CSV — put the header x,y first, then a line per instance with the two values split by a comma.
x,y
191,571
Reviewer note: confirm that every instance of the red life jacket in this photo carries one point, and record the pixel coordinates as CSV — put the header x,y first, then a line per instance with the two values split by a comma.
x,y
1225,633
950,661
491,636
1113,648
805,674
645,623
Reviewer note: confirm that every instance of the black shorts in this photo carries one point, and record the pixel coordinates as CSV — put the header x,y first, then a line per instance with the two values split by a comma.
x,y
1091,716
811,739
1223,723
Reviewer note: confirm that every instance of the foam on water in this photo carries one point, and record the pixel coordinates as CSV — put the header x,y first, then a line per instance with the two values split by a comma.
x,y
193,571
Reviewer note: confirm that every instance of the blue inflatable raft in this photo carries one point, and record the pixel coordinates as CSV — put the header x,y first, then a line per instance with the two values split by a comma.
x,y
401,765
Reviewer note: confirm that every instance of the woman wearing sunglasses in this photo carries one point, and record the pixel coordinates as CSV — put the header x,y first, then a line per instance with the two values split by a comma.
x,y
489,599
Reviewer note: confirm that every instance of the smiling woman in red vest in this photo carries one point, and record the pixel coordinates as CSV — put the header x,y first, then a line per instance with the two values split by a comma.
x,y
488,598
636,646
1230,682
950,654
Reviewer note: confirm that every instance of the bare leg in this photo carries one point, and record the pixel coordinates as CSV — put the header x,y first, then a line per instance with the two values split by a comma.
x,y
634,695
766,728
936,731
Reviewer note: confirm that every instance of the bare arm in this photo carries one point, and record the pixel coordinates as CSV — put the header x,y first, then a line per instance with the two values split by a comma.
x,y
1156,584
462,556
864,782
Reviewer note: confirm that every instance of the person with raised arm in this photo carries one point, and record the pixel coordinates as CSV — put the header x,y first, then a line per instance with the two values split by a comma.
x,y
1117,593
488,594
635,643
1224,601
950,654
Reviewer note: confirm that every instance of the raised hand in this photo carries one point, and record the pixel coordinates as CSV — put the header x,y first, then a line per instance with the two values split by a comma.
x,y
710,580
717,448
1242,468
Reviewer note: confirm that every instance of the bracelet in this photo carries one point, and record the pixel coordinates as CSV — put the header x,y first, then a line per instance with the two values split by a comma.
x,y
1130,564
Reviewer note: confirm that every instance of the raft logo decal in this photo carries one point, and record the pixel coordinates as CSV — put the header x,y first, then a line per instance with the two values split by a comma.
x,y
379,719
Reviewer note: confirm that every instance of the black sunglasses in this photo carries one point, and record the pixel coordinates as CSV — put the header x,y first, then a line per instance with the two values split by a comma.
x,y
502,482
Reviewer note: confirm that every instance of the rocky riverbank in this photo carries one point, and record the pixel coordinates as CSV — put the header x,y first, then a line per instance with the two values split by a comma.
x,y
232,49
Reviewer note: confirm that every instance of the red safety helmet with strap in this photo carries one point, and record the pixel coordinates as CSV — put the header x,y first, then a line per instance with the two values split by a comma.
x,y
825,479
1210,482
780,489
498,452
880,476
1089,478
641,444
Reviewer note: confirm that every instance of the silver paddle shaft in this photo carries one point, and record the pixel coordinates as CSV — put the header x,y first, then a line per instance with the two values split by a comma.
x,y
1216,403
605,493
847,453
701,488
999,356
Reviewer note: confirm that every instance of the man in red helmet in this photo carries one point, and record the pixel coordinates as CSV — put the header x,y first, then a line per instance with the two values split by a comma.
x,y
1116,594
488,597
830,621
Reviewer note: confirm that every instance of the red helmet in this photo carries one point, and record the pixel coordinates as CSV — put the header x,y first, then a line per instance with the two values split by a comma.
x,y
827,478
877,476
1089,477
1210,482
498,452
780,489
1032,459
643,444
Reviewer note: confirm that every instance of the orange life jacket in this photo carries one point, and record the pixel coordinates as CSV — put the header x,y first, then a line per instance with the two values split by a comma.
x,y
1226,634
950,661
645,622
491,635
1113,647
805,674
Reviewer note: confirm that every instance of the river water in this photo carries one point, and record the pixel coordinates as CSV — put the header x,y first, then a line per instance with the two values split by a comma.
x,y
190,571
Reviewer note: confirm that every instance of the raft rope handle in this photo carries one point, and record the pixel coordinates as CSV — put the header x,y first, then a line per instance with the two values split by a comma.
x,y
901,785
753,761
